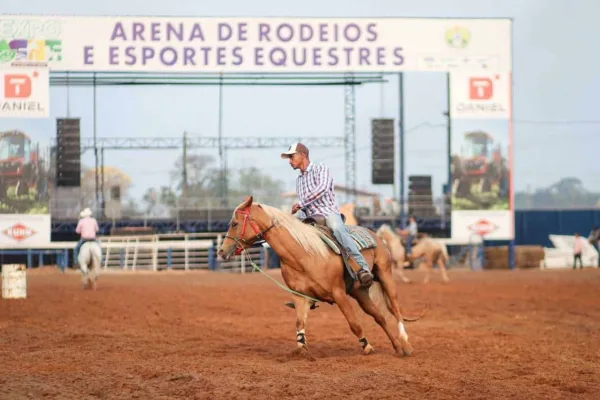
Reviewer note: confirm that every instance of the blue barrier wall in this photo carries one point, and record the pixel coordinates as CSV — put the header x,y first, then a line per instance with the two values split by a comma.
x,y
533,226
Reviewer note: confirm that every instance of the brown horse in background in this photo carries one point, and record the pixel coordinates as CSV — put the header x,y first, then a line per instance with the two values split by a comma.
x,y
310,267
426,249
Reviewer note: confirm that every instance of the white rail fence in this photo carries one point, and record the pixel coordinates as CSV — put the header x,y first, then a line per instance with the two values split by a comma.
x,y
174,252
182,251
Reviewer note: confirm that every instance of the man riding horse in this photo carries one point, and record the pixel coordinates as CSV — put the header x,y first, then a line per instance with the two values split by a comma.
x,y
314,187
87,227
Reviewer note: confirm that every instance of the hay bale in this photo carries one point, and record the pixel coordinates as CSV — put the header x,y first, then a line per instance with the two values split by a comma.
x,y
525,257
496,257
529,256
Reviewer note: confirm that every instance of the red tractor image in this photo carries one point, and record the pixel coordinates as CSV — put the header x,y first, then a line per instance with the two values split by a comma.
x,y
480,163
19,164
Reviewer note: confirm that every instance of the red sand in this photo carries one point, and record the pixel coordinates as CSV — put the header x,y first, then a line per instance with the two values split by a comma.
x,y
494,334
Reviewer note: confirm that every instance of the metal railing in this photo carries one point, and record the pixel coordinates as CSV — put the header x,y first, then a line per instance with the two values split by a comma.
x,y
173,252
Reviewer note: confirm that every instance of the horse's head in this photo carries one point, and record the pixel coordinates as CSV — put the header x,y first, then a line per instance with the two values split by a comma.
x,y
248,226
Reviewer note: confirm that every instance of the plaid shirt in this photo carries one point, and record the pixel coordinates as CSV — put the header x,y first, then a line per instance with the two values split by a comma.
x,y
315,191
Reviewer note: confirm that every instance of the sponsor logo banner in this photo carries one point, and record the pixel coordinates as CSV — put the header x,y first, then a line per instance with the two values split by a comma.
x,y
256,44
479,95
24,230
24,92
491,225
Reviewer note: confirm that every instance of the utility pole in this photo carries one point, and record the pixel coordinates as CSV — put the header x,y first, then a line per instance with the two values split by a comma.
x,y
184,177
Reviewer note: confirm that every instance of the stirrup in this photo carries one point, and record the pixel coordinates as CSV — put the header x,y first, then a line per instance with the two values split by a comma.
x,y
365,278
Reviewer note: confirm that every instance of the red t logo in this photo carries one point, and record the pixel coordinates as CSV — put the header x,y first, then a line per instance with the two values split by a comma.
x,y
481,88
17,86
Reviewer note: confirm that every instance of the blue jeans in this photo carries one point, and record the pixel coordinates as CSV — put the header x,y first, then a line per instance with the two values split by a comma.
x,y
335,223
409,241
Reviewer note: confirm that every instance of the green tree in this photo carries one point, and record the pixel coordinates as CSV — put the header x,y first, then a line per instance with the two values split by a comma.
x,y
568,192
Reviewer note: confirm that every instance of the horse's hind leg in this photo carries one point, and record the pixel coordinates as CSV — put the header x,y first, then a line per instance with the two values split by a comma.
x,y
428,266
389,288
95,273
399,268
369,307
345,306
85,274
442,265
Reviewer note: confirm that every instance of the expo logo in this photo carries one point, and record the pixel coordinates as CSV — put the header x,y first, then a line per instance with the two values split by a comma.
x,y
18,86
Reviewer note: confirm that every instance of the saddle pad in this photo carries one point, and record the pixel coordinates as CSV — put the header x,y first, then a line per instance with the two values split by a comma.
x,y
362,237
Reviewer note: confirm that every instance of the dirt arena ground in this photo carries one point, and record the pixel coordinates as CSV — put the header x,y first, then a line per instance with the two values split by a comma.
x,y
488,335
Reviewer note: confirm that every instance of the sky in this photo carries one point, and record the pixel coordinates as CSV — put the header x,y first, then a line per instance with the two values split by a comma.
x,y
556,82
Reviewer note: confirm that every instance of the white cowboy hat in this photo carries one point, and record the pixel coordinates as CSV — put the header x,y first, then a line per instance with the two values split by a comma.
x,y
86,212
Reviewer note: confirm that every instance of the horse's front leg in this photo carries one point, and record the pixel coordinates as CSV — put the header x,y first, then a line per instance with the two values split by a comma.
x,y
302,305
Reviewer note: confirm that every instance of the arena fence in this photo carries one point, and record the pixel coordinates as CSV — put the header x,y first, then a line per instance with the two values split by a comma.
x,y
190,251
144,252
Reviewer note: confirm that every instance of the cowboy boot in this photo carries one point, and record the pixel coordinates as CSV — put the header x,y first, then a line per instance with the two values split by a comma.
x,y
365,277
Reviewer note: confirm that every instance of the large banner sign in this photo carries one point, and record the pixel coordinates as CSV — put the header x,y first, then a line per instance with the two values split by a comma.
x,y
256,44
482,191
24,92
24,188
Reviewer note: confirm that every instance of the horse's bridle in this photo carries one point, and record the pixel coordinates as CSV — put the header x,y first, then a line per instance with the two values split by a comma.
x,y
260,237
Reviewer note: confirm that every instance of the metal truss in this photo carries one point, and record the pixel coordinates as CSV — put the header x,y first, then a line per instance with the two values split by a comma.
x,y
350,137
124,143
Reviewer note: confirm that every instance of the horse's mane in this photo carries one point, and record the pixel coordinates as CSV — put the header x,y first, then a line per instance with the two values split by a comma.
x,y
388,229
304,234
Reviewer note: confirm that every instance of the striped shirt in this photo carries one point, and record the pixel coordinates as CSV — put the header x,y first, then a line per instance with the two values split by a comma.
x,y
315,191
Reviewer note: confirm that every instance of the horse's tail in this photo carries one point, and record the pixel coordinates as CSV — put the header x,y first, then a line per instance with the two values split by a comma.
x,y
382,302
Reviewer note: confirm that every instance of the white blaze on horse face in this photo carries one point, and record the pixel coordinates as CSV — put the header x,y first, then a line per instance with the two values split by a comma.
x,y
403,333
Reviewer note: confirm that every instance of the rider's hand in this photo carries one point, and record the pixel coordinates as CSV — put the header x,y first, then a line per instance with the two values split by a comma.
x,y
296,208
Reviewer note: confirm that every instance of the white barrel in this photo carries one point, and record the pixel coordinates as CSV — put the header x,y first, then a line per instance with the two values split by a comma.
x,y
14,281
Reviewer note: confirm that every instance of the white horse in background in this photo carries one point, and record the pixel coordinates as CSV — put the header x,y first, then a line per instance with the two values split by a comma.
x,y
90,258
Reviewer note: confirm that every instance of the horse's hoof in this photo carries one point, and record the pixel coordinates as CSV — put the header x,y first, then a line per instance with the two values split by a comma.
x,y
369,350
407,350
302,352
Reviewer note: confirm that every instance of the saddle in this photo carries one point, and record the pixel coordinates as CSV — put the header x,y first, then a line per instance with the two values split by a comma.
x,y
319,222
360,235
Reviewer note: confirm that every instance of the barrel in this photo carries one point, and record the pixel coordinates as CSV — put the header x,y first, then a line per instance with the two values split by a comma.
x,y
14,281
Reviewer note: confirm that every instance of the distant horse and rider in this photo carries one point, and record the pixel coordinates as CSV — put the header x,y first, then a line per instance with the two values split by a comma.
x,y
88,251
426,249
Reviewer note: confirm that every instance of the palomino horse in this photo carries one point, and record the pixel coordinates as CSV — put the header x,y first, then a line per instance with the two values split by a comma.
x,y
310,267
90,256
431,252
397,251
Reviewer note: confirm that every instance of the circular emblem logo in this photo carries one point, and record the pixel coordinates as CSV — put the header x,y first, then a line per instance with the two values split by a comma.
x,y
458,37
